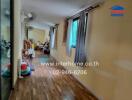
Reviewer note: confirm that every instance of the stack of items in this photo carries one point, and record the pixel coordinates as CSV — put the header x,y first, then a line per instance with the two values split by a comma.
x,y
25,70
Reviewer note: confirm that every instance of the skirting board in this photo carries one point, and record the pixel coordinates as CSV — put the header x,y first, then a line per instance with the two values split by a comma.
x,y
84,84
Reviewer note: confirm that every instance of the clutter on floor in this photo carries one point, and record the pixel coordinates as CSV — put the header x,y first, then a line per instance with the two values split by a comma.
x,y
25,69
28,55
44,47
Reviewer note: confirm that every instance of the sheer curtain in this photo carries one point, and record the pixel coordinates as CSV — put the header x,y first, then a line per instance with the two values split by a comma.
x,y
68,46
52,37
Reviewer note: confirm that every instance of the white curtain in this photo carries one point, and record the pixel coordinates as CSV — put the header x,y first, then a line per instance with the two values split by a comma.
x,y
52,38
68,46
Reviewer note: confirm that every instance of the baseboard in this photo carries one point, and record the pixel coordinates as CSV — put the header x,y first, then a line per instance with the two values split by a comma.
x,y
82,83
87,87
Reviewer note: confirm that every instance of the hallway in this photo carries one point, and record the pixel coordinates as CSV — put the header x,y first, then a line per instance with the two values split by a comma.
x,y
66,50
43,85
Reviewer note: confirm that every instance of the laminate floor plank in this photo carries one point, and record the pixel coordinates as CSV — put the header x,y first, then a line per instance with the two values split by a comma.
x,y
43,85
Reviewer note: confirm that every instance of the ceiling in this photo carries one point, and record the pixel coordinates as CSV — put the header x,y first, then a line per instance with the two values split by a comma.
x,y
50,12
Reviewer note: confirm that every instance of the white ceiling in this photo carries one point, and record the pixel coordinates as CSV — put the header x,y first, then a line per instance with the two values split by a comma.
x,y
50,12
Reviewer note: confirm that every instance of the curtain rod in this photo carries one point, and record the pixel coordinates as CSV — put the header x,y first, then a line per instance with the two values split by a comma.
x,y
85,10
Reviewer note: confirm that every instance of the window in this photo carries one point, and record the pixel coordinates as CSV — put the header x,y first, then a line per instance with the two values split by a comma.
x,y
73,33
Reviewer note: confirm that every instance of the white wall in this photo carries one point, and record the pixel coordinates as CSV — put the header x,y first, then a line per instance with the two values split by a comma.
x,y
38,35
109,42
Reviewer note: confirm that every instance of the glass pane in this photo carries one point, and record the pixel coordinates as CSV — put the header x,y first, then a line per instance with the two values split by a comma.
x,y
74,31
5,50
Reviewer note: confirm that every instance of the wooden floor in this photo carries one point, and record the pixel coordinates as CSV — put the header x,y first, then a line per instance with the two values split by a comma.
x,y
43,85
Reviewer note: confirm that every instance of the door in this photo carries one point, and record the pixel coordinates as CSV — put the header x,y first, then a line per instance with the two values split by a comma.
x,y
5,49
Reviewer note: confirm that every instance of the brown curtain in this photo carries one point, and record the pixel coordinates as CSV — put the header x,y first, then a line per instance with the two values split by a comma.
x,y
80,55
56,35
65,30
